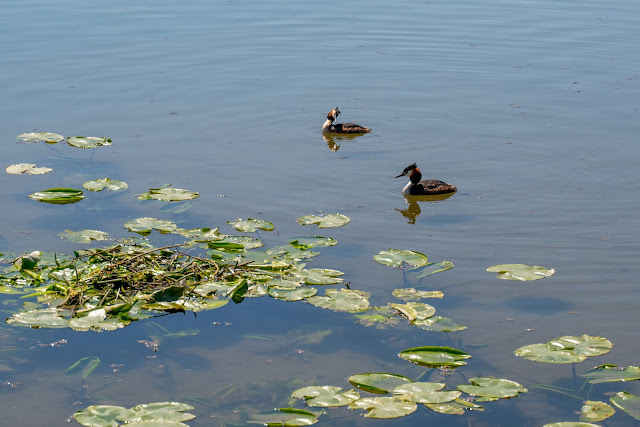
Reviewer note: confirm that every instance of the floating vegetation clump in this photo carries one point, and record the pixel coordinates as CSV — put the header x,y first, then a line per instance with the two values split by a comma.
x,y
29,168
157,414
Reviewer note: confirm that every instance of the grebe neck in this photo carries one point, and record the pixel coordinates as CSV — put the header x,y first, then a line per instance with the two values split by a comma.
x,y
327,125
407,188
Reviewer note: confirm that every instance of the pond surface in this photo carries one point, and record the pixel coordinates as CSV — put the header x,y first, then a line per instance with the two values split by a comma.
x,y
530,108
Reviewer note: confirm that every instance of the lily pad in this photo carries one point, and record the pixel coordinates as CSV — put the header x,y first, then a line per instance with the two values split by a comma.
x,y
40,318
58,196
434,268
396,257
457,407
439,324
410,294
434,356
489,388
585,345
426,392
250,225
414,310
103,415
629,403
96,320
610,373
571,424
308,242
48,137
341,300
29,168
163,412
384,407
295,294
378,383
83,236
286,417
520,272
542,353
168,194
326,396
108,183
88,141
594,411
329,221
143,226
319,276
380,317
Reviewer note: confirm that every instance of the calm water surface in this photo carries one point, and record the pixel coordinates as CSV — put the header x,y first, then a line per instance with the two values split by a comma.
x,y
530,108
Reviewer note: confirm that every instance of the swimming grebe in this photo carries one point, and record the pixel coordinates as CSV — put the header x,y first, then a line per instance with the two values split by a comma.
x,y
328,126
415,187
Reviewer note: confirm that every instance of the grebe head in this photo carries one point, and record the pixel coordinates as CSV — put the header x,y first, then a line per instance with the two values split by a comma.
x,y
411,170
333,114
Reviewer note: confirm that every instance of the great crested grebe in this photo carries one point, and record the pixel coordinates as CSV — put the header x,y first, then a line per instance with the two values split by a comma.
x,y
328,126
415,187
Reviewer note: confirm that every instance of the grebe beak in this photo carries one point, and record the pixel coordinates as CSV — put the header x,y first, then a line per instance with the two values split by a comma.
x,y
402,174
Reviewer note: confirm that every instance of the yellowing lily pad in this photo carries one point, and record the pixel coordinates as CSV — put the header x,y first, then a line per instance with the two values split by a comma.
x,y
341,300
420,392
88,141
410,294
594,411
489,388
48,137
29,168
414,310
168,194
521,272
83,236
250,225
384,407
143,226
328,221
108,183
326,396
396,257
439,324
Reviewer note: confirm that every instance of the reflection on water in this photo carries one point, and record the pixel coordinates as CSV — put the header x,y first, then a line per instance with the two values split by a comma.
x,y
333,140
413,210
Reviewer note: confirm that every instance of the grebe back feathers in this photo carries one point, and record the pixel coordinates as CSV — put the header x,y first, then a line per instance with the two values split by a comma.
x,y
329,126
416,187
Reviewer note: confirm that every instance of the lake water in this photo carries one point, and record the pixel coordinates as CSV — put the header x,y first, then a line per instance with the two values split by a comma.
x,y
530,108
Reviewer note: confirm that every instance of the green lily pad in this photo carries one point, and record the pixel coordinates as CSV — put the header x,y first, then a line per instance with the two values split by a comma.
x,y
434,268
143,226
329,221
40,318
457,407
295,294
585,345
29,168
48,137
308,242
96,320
414,310
83,236
285,417
108,183
160,412
88,141
103,415
378,383
426,392
247,242
410,294
319,276
341,300
250,225
58,196
609,373
570,424
168,194
629,403
439,324
384,407
326,396
520,272
594,411
433,356
396,257
492,388
542,353
380,317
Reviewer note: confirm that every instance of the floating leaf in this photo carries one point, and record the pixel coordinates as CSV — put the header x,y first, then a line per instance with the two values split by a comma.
x,y
384,407
609,373
96,320
88,141
319,276
433,356
168,194
492,388
143,226
295,294
414,310
571,424
27,261
48,137
103,415
439,324
286,417
108,183
162,412
341,300
380,317
409,294
85,366
585,345
542,353
303,243
29,168
329,221
58,196
40,318
250,225
457,407
629,403
425,392
595,411
378,383
433,268
326,396
83,236
396,257
520,271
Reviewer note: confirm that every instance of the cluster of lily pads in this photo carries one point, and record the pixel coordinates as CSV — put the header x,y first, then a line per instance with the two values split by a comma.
x,y
169,414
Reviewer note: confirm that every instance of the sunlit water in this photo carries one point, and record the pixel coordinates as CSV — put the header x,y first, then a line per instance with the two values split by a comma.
x,y
530,108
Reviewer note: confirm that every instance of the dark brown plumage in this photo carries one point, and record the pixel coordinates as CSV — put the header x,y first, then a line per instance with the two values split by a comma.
x,y
416,187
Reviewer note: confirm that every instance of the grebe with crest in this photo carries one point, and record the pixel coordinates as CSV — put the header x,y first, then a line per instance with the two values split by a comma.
x,y
415,187
329,126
